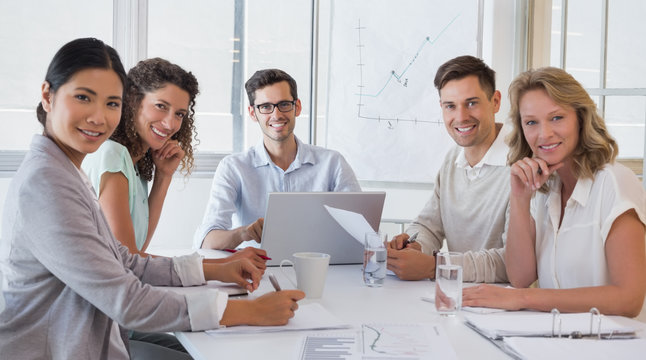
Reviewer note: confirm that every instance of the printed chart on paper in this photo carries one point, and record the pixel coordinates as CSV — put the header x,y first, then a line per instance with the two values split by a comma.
x,y
380,341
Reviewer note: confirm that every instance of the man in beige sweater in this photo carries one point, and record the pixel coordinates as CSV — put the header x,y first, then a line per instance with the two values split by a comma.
x,y
470,202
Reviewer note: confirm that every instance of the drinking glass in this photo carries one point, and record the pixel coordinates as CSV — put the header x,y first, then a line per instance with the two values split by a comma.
x,y
374,258
448,283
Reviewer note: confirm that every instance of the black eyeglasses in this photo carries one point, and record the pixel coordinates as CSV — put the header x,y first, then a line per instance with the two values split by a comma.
x,y
283,106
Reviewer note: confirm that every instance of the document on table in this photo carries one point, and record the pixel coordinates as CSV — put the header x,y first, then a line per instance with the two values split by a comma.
x,y
531,348
308,317
525,323
381,341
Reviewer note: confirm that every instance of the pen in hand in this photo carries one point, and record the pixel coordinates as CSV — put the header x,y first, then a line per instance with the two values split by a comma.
x,y
274,282
410,240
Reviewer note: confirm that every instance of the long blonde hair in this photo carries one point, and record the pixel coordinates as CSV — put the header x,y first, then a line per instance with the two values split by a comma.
x,y
595,148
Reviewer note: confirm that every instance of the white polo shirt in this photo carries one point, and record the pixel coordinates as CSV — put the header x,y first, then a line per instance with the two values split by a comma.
x,y
574,255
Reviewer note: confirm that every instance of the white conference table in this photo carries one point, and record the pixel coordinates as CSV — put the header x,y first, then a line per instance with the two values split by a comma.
x,y
349,299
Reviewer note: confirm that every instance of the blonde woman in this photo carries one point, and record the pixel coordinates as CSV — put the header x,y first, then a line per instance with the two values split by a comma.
x,y
577,217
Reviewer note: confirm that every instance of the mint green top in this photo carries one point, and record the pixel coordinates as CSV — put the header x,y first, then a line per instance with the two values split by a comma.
x,y
113,157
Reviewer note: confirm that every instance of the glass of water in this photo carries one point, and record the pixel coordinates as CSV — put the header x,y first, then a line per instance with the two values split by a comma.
x,y
448,283
374,258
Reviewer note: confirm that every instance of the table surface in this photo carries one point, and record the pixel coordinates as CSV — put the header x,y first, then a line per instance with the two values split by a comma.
x,y
350,300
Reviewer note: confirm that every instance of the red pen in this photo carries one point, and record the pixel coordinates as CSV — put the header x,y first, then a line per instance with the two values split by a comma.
x,y
234,251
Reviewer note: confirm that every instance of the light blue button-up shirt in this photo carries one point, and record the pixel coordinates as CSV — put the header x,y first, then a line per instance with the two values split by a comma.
x,y
243,181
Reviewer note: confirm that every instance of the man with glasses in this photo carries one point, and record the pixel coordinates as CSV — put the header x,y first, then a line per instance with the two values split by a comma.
x,y
278,163
470,202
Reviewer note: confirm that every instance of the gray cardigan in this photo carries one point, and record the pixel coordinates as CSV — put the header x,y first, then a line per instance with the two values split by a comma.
x,y
66,279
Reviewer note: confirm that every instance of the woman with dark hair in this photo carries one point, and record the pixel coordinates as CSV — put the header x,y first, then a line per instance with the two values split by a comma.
x,y
69,285
576,216
153,137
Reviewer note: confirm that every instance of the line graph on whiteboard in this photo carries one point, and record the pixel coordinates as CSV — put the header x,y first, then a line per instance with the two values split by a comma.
x,y
383,110
399,77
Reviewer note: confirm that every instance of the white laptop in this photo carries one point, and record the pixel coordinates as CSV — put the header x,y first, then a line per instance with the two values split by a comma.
x,y
298,222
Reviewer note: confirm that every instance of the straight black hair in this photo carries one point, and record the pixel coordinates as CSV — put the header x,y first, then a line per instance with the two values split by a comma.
x,y
77,55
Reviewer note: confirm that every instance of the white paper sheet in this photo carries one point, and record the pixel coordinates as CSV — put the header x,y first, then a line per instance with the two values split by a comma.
x,y
308,317
354,223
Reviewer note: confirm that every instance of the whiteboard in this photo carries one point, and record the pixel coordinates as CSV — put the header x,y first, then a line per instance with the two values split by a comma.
x,y
383,109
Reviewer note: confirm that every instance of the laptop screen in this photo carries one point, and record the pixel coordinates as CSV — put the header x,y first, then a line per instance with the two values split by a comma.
x,y
297,222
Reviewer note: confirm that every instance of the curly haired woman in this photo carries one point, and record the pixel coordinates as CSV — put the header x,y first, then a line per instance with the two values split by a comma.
x,y
153,138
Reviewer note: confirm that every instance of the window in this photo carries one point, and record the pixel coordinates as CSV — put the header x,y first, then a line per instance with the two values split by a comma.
x,y
221,42
223,50
591,40
30,33
205,46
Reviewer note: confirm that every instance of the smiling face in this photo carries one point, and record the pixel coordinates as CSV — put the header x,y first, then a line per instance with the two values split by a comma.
x,y
277,126
551,130
83,112
469,114
160,115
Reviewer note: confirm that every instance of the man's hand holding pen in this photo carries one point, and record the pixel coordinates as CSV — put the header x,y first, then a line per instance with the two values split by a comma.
x,y
403,241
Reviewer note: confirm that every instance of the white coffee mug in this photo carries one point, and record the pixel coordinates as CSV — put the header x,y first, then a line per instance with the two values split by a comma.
x,y
311,270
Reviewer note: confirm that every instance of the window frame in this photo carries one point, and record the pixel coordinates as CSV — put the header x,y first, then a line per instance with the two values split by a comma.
x,y
602,91
130,35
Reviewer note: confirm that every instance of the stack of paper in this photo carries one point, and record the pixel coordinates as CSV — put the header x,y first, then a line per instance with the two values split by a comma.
x,y
496,326
308,317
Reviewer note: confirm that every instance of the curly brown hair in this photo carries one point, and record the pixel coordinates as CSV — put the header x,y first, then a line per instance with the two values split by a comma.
x,y
595,148
148,76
